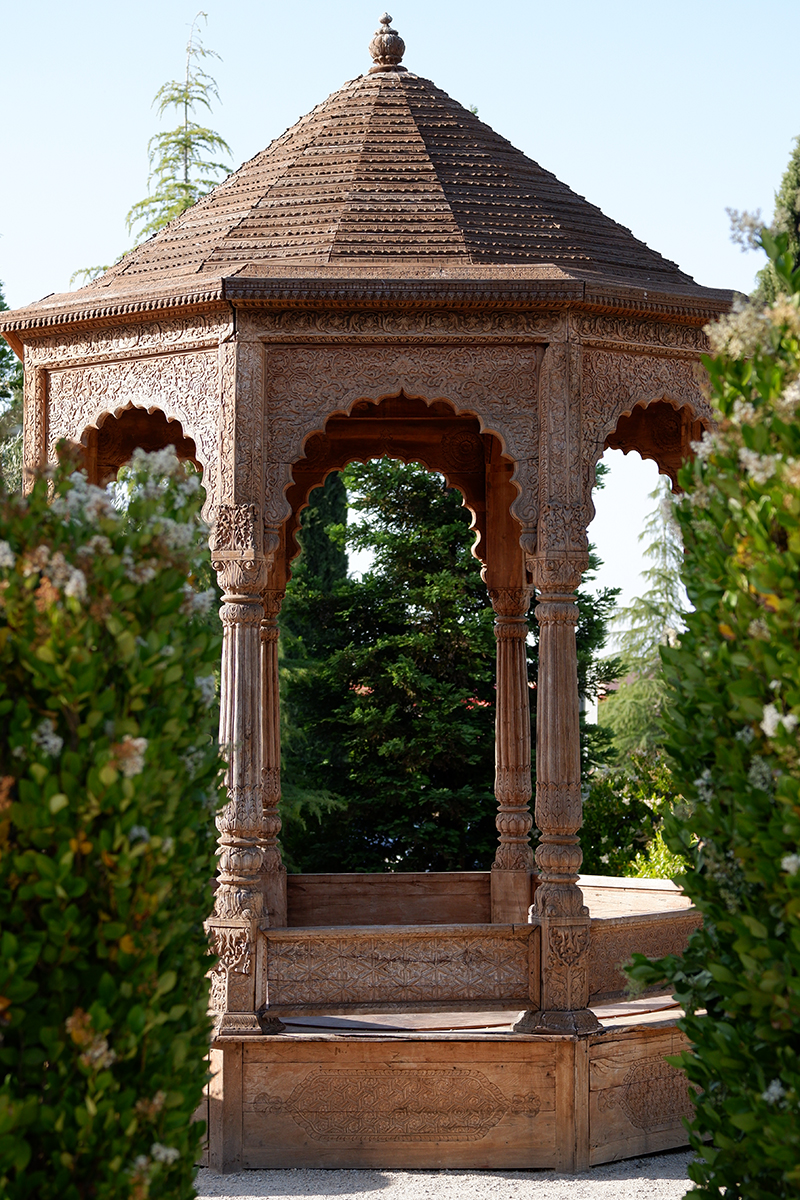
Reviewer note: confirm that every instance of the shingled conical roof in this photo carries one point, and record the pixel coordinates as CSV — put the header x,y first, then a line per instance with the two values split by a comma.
x,y
391,168
388,179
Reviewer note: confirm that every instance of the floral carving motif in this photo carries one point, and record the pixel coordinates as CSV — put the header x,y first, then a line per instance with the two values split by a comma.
x,y
614,383
613,944
182,386
235,527
109,340
307,384
396,1104
424,324
652,1094
315,969
641,333
232,944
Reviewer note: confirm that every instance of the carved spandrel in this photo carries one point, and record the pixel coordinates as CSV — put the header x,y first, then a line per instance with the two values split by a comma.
x,y
615,382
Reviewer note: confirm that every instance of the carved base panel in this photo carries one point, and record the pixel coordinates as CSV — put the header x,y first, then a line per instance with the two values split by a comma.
x,y
636,1099
321,1101
442,1100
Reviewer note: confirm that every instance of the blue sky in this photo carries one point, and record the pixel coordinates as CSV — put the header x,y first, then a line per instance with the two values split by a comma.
x,y
661,114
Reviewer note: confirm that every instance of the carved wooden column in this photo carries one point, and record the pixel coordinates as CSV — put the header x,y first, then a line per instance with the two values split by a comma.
x,y
505,577
558,907
511,870
241,906
275,872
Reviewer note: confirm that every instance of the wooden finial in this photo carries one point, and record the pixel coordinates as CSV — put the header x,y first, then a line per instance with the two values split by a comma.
x,y
387,47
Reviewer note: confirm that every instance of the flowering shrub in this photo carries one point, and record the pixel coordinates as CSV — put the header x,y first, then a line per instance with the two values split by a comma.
x,y
109,777
733,737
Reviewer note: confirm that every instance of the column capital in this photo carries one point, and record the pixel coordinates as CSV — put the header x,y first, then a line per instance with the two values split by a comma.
x,y
510,604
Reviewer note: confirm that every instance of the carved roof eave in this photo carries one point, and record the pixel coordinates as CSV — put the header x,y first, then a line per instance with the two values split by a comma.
x,y
695,305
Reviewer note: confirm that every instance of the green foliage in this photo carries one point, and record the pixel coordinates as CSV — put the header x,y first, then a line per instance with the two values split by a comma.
x,y
322,535
732,734
389,688
109,777
184,162
622,812
654,619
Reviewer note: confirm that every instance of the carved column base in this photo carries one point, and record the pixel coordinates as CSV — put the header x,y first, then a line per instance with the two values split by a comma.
x,y
235,977
580,1022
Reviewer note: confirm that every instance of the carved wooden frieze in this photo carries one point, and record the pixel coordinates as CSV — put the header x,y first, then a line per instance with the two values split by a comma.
x,y
182,386
618,332
396,1104
415,326
112,341
354,967
307,384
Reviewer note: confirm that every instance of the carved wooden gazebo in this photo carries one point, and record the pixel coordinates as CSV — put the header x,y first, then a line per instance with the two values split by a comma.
x,y
392,277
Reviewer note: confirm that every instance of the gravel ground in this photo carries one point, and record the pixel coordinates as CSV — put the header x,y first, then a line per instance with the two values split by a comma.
x,y
657,1177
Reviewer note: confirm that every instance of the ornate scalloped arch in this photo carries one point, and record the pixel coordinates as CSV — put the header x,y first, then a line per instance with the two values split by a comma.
x,y
617,384
306,385
182,386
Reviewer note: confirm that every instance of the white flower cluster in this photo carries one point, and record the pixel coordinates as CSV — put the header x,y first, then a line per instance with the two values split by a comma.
x,y
745,735
99,546
772,721
705,786
98,1055
193,758
708,443
774,1093
760,467
139,833
176,535
157,463
740,332
788,402
760,775
790,863
71,580
47,739
188,488
84,501
743,412
196,603
758,628
164,1154
207,687
128,755
141,572
7,556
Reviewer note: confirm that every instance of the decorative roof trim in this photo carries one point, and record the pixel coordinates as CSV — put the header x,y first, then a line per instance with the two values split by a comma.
x,y
249,292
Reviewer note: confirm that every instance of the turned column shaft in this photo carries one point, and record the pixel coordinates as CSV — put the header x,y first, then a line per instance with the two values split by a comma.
x,y
241,824
513,746
558,905
275,872
558,752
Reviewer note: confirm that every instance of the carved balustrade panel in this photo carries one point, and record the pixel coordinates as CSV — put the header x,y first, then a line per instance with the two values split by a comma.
x,y
341,970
